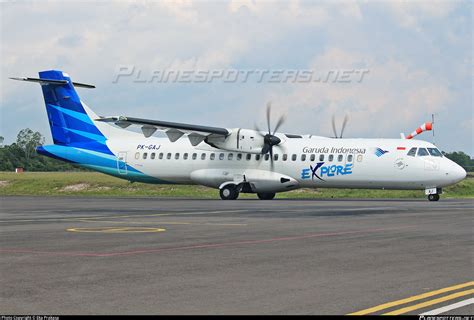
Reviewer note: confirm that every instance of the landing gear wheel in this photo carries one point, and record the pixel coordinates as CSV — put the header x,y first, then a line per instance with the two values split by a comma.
x,y
229,192
266,196
433,197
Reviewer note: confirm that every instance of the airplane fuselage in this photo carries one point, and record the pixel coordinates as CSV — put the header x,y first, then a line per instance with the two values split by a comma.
x,y
309,162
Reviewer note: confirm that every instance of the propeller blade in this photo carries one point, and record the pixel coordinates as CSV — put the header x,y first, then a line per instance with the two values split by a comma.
x,y
266,148
333,122
271,159
346,118
279,123
269,107
258,131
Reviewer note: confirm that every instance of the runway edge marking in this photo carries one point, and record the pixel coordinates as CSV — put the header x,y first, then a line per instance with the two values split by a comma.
x,y
447,308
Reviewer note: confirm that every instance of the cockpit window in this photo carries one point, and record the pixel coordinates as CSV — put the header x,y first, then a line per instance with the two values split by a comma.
x,y
422,152
435,152
412,152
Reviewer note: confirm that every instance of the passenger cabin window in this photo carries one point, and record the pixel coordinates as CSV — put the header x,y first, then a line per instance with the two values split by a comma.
x,y
257,157
303,157
349,158
249,156
221,156
321,157
176,156
435,152
168,156
194,156
145,155
331,158
137,155
160,156
293,157
412,152
340,157
285,157
203,156
312,157
275,157
230,156
239,156
152,156
422,152
185,156
267,156
213,156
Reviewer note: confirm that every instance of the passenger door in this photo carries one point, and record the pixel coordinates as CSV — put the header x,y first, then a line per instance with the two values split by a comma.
x,y
122,163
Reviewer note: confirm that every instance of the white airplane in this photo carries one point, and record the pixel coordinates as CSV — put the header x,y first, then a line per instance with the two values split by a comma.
x,y
234,160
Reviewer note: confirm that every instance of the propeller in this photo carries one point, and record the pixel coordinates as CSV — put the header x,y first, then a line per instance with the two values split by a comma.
x,y
344,123
270,139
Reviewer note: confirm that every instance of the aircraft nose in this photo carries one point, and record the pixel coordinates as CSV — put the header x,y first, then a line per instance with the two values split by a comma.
x,y
457,173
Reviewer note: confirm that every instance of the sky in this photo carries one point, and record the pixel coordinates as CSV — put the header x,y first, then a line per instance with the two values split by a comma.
x,y
417,57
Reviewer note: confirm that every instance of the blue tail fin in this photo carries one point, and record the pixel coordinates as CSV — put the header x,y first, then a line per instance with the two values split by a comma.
x,y
69,122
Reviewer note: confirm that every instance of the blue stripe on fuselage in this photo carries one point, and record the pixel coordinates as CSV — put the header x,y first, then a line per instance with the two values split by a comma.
x,y
97,161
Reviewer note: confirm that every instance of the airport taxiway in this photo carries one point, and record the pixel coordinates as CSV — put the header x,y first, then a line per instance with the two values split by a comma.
x,y
67,255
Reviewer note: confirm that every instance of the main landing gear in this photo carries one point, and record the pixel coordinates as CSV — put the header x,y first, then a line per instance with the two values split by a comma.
x,y
266,196
231,192
433,197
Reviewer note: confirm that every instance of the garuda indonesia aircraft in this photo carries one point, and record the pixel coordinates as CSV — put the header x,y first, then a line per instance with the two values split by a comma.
x,y
233,160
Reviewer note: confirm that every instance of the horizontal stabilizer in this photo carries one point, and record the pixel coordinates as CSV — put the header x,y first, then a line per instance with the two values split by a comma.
x,y
53,81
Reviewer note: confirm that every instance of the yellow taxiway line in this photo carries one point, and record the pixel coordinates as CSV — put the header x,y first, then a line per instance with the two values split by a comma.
x,y
430,302
419,297
116,230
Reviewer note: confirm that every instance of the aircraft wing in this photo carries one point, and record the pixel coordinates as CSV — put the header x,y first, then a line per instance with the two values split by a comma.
x,y
174,130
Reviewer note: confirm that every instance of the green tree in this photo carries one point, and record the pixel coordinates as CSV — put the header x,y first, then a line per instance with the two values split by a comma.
x,y
27,140
464,160
23,154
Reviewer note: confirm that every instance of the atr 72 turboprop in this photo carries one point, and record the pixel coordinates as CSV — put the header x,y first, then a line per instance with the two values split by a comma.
x,y
233,160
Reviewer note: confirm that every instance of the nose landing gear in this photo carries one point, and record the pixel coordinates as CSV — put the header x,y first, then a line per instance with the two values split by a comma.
x,y
433,197
433,193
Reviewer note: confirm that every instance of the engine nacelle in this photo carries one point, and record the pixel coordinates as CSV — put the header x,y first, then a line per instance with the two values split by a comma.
x,y
239,140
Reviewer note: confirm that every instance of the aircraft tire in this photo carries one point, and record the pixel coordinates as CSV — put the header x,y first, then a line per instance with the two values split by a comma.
x,y
266,196
229,192
433,197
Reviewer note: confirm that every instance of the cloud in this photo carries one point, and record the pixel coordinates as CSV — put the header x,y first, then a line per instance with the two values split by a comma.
x,y
394,93
410,13
419,56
